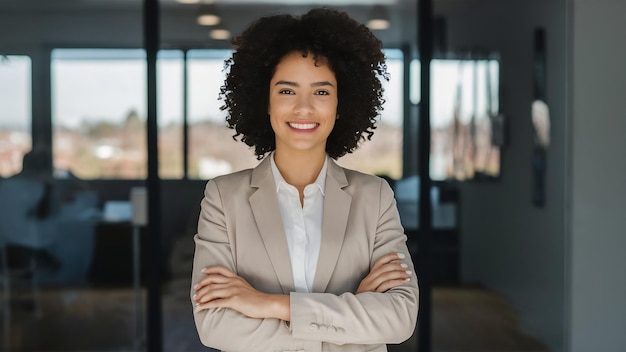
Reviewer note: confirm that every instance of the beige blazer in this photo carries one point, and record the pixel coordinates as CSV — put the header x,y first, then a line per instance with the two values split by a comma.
x,y
240,227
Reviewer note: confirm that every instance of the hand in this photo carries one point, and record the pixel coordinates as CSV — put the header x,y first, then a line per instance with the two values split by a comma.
x,y
223,288
387,272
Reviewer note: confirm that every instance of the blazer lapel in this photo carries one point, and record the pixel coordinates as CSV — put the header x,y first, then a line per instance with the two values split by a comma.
x,y
335,219
264,203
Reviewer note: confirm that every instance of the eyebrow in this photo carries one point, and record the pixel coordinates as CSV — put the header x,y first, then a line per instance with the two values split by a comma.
x,y
294,84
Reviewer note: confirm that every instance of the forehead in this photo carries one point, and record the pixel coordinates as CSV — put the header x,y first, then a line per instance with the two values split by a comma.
x,y
297,63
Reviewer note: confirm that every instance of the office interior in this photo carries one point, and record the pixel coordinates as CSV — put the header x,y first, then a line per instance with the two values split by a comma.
x,y
525,254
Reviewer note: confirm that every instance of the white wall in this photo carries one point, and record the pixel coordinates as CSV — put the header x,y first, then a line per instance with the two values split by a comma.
x,y
507,243
598,271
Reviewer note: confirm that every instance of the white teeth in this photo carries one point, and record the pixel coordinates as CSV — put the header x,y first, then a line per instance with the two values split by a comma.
x,y
302,126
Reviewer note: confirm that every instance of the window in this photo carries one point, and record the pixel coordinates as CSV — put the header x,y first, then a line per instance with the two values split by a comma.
x,y
383,154
466,124
212,150
16,112
194,100
464,119
99,113
99,117
170,96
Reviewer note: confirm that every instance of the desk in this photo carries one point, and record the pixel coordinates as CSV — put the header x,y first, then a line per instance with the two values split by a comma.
x,y
444,257
112,263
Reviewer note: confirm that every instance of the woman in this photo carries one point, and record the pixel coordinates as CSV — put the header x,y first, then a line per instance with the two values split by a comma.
x,y
300,254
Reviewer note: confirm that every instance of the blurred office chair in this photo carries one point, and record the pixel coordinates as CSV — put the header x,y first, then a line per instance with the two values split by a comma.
x,y
13,273
22,250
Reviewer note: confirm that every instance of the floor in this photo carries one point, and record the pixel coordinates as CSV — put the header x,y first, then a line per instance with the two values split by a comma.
x,y
464,319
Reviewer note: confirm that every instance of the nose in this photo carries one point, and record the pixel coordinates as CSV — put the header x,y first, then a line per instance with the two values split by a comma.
x,y
303,105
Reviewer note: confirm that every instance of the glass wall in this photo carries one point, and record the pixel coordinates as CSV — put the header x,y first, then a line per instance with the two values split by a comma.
x,y
16,112
72,145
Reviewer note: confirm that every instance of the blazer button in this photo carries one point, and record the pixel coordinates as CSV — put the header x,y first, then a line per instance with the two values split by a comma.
x,y
324,328
314,327
332,329
341,330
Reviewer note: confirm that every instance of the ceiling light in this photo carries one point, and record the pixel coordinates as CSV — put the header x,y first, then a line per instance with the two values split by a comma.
x,y
377,24
208,16
220,33
208,19
379,18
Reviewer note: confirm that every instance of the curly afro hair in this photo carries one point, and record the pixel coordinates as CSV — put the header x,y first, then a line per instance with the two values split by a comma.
x,y
353,53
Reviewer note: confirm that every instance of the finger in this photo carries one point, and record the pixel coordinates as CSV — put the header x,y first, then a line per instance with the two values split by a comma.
x,y
390,272
388,258
216,303
373,279
376,273
211,279
214,292
393,275
385,259
387,285
218,269
207,292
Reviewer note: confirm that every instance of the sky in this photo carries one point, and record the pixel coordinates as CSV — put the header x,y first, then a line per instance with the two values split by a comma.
x,y
15,88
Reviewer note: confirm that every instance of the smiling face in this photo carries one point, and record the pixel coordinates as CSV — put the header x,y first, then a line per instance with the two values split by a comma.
x,y
302,104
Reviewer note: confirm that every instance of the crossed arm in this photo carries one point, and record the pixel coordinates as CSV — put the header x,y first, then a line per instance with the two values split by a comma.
x,y
221,288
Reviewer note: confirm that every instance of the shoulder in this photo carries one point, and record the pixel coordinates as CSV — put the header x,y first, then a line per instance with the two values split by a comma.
x,y
223,190
354,176
237,177
370,194
363,182
229,184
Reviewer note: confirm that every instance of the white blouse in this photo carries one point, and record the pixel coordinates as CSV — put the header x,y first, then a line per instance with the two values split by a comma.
x,y
303,224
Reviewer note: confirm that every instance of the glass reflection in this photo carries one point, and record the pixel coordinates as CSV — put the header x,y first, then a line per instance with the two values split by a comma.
x,y
15,115
170,95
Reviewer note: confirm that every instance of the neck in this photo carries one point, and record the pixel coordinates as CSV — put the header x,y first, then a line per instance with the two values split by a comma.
x,y
299,169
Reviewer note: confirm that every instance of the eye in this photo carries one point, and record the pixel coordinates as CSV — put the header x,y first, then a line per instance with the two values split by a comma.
x,y
322,92
286,91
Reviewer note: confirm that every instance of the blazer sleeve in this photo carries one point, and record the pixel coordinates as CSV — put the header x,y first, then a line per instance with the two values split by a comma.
x,y
366,318
224,328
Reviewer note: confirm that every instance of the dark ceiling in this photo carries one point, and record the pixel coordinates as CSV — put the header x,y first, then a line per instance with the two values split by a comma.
x,y
178,19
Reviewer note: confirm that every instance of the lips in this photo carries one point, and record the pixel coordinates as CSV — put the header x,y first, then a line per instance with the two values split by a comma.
x,y
303,126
